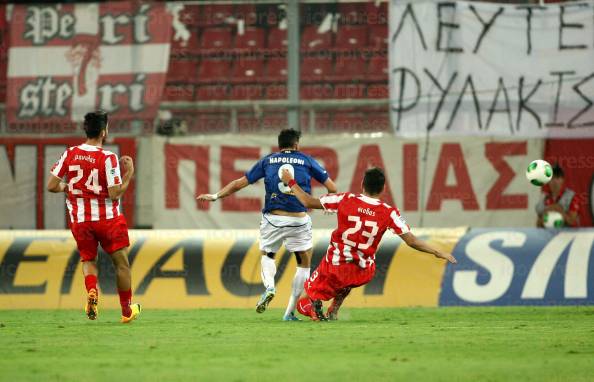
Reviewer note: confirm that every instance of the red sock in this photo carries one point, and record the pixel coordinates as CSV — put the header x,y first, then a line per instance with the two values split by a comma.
x,y
304,306
91,282
125,300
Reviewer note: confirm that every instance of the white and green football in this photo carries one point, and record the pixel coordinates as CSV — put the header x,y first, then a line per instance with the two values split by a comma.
x,y
539,172
553,219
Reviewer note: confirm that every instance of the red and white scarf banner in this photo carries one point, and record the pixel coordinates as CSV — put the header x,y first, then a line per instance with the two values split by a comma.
x,y
68,59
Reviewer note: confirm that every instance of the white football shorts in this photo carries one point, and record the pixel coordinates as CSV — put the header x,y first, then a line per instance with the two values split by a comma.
x,y
294,232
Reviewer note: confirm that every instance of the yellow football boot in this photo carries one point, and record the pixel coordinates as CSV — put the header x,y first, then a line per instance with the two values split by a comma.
x,y
134,315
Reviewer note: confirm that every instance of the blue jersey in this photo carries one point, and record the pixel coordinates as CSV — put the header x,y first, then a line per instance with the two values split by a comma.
x,y
278,196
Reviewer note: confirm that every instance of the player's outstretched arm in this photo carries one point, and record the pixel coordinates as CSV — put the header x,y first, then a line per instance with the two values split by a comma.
x,y
229,189
330,186
119,190
304,198
55,184
420,245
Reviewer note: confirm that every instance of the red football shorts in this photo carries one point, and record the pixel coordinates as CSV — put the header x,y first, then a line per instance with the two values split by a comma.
x,y
112,234
328,280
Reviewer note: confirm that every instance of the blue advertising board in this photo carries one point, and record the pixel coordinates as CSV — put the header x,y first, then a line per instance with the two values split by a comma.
x,y
521,267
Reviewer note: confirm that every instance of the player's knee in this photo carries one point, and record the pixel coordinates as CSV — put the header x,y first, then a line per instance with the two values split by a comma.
x,y
120,260
121,263
303,259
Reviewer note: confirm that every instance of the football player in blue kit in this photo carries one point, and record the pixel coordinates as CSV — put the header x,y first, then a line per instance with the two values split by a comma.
x,y
284,219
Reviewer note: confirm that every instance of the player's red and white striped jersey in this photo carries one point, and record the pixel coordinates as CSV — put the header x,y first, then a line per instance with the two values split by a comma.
x,y
362,221
89,171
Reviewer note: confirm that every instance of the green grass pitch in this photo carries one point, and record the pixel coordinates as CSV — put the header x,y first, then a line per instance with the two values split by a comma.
x,y
420,344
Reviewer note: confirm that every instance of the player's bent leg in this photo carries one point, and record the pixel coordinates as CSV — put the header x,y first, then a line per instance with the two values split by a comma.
x,y
336,303
122,267
344,279
124,284
301,275
270,242
90,272
318,309
268,268
319,287
298,240
86,242
268,271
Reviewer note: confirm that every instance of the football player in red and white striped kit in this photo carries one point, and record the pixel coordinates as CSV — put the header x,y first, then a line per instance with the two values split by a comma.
x,y
350,260
90,177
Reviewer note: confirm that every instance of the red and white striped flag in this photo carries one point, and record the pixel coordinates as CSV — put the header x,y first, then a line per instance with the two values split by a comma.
x,y
68,59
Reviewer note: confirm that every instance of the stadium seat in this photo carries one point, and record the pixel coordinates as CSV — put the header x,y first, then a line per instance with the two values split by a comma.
x,y
182,48
351,13
248,122
376,14
182,71
190,15
277,119
317,91
178,92
213,71
350,68
212,92
349,91
360,120
311,40
379,120
277,39
378,36
376,91
350,122
322,121
351,37
276,91
378,68
253,38
209,122
315,68
276,69
214,14
304,120
247,92
247,13
216,38
274,121
248,70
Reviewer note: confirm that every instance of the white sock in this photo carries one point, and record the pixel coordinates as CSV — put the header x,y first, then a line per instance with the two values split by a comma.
x,y
301,276
268,271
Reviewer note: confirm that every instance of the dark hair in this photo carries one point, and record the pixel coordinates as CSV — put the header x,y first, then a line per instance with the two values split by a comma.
x,y
288,138
95,123
374,181
558,171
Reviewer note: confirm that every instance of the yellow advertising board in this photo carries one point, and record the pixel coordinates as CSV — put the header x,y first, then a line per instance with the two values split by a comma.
x,y
201,269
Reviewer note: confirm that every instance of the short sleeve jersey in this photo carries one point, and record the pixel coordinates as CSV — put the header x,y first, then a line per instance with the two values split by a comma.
x,y
89,172
278,196
362,221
